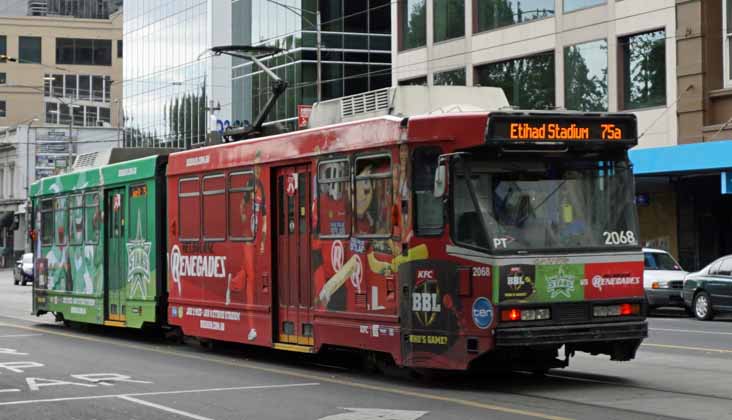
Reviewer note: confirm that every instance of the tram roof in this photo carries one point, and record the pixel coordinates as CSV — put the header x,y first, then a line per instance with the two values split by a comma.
x,y
338,138
116,173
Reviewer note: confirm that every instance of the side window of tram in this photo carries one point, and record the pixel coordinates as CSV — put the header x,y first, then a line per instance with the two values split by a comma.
x,y
76,220
92,218
373,196
334,193
189,209
429,213
47,222
61,218
241,206
466,227
214,207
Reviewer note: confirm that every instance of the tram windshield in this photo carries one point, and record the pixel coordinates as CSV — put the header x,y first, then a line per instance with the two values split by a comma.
x,y
544,203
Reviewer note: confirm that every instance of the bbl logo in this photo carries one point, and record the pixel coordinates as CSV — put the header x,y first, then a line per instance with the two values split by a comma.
x,y
482,313
426,297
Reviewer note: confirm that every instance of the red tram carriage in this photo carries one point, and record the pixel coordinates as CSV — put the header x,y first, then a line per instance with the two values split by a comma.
x,y
440,240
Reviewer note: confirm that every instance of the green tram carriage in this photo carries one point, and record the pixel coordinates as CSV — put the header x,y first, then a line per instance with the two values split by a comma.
x,y
97,235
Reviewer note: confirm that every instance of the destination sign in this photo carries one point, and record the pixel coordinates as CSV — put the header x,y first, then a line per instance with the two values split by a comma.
x,y
561,128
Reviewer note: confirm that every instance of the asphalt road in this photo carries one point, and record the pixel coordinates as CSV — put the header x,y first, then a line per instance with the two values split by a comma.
x,y
49,371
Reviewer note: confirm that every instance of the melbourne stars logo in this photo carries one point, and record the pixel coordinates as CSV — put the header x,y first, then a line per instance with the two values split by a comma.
x,y
562,284
138,263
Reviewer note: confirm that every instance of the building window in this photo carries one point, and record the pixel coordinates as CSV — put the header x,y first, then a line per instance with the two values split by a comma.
x,y
644,70
29,49
585,76
492,14
334,195
572,5
448,19
119,48
3,45
93,52
454,77
528,82
416,81
3,110
3,78
51,112
413,25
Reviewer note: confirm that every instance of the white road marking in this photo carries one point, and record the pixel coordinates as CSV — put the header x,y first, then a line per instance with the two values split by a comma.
x,y
9,390
19,335
143,394
164,408
376,414
691,331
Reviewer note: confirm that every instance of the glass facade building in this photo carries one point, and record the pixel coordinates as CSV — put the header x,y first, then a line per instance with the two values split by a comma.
x,y
355,53
165,85
175,91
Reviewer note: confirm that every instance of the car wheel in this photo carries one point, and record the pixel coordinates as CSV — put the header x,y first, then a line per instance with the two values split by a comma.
x,y
702,307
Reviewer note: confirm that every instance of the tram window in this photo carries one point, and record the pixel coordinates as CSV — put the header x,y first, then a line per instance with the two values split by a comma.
x,y
76,220
92,218
466,230
60,220
189,209
429,213
47,222
334,193
214,208
242,206
373,196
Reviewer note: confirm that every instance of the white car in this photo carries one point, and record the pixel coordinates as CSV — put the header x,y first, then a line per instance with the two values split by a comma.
x,y
663,279
25,269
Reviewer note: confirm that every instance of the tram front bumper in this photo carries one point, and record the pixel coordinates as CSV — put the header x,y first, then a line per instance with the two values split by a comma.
x,y
567,334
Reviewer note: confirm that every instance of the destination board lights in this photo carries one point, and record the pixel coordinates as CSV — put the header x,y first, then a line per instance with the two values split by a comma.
x,y
562,128
554,131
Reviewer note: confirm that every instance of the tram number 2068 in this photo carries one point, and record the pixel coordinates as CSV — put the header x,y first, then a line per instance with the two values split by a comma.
x,y
425,302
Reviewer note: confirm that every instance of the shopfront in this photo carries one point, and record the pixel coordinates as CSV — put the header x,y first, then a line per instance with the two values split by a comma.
x,y
684,197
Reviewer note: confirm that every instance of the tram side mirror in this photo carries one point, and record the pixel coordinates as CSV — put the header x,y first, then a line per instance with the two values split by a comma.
x,y
440,181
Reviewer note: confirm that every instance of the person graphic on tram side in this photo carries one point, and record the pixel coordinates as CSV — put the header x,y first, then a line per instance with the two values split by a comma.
x,y
373,202
252,207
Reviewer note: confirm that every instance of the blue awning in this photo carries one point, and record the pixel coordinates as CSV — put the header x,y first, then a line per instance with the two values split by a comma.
x,y
695,157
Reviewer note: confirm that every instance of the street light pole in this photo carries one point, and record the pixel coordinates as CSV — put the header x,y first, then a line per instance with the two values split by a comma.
x,y
318,46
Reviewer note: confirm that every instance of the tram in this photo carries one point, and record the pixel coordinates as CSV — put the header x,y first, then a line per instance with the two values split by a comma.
x,y
439,241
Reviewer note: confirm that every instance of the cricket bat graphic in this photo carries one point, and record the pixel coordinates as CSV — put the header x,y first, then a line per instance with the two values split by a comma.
x,y
334,283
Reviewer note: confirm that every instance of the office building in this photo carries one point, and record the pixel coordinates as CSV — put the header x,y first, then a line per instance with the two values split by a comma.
x,y
586,55
175,91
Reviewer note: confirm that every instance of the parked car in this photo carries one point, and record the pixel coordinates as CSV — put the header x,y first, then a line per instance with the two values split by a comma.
x,y
709,290
663,279
24,268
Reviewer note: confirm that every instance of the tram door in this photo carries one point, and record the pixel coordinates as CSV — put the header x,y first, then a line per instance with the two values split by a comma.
x,y
116,267
294,286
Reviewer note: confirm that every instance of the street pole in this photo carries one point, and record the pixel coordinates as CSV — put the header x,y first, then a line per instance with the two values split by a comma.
x,y
318,46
